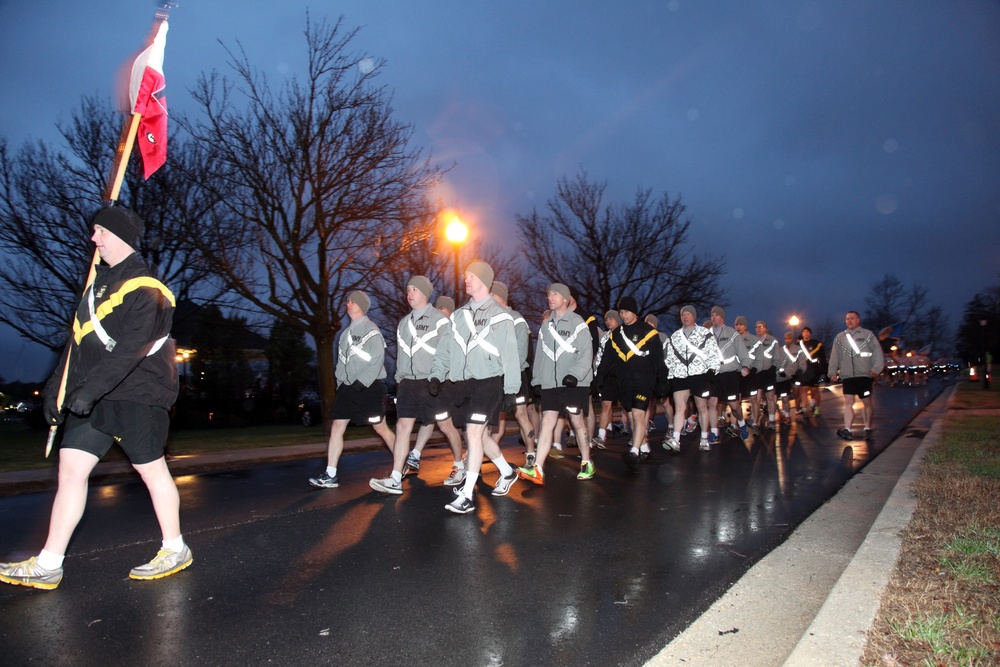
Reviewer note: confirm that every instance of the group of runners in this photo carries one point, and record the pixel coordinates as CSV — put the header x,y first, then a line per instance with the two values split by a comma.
x,y
464,370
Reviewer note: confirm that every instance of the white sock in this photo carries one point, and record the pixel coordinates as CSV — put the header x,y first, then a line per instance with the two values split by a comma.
x,y
470,484
677,436
715,431
502,465
459,464
644,447
331,471
742,423
396,476
49,560
175,544
704,435
634,450
415,454
601,432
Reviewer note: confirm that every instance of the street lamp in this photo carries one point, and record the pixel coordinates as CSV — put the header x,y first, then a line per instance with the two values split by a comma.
x,y
986,352
456,232
793,322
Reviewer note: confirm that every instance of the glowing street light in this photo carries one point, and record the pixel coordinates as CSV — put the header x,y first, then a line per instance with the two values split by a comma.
x,y
456,231
793,322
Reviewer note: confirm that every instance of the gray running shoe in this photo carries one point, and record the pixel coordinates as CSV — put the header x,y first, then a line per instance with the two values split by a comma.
x,y
456,478
598,442
461,505
704,446
165,563
324,481
386,485
503,484
671,444
30,573
413,461
529,460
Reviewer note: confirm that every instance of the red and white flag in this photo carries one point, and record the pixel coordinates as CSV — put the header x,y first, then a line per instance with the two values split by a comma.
x,y
145,84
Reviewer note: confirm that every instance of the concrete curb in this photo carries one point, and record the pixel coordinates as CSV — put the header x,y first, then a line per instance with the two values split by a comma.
x,y
837,634
802,588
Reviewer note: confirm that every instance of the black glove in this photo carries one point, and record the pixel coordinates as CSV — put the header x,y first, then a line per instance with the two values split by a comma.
x,y
434,387
595,390
80,401
509,402
358,386
569,381
50,410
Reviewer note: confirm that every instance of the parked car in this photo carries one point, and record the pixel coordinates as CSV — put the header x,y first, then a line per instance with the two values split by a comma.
x,y
310,412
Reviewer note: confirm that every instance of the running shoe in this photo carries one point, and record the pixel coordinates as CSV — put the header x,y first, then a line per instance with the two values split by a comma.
x,y
845,434
690,426
598,442
165,563
324,481
816,411
703,445
386,485
504,483
632,461
529,460
587,470
30,573
460,505
650,427
643,454
456,477
868,434
745,431
557,451
713,439
413,461
533,474
671,444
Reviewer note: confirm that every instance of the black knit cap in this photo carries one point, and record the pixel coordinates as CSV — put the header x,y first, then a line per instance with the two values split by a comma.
x,y
123,223
628,303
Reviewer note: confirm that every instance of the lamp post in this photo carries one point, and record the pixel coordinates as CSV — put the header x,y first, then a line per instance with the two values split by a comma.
x,y
986,361
456,232
793,322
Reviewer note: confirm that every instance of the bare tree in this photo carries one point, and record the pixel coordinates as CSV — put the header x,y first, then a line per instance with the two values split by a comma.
x,y
608,251
317,189
885,304
47,199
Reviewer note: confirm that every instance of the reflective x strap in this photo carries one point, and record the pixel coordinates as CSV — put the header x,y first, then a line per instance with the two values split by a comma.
x,y
564,344
419,342
478,338
102,334
631,346
767,352
356,350
854,345
802,346
696,351
788,354
755,346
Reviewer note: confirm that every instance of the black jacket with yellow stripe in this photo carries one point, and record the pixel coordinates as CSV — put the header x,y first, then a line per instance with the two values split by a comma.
x,y
135,310
639,368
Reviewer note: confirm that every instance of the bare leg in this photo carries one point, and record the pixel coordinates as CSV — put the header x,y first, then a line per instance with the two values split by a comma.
x,y
75,467
401,447
163,492
336,445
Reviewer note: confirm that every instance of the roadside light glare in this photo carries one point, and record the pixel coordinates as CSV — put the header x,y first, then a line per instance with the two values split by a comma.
x,y
793,321
456,231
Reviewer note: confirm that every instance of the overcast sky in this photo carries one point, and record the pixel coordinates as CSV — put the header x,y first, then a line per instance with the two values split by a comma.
x,y
817,145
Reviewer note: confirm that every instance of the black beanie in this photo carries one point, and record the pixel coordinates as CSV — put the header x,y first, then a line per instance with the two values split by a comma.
x,y
628,303
123,223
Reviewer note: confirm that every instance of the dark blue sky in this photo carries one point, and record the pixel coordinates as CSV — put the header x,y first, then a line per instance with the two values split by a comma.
x,y
817,145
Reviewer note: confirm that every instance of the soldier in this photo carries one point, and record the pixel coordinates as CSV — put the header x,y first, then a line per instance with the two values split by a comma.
x,y
815,366
121,379
691,355
767,374
523,333
790,364
481,359
417,338
562,369
361,391
735,363
857,359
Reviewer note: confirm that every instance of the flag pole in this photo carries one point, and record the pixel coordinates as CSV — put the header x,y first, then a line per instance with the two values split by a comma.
x,y
111,193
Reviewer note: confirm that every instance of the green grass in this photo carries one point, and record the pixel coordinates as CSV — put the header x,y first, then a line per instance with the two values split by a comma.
x,y
973,442
23,448
972,396
938,632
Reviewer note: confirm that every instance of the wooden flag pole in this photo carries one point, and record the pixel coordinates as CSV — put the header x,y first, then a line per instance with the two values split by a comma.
x,y
111,193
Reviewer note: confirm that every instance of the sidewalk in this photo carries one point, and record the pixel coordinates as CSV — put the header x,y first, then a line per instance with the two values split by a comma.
x,y
808,602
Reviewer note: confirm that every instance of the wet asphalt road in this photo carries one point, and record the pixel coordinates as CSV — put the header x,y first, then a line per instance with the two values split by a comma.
x,y
604,572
